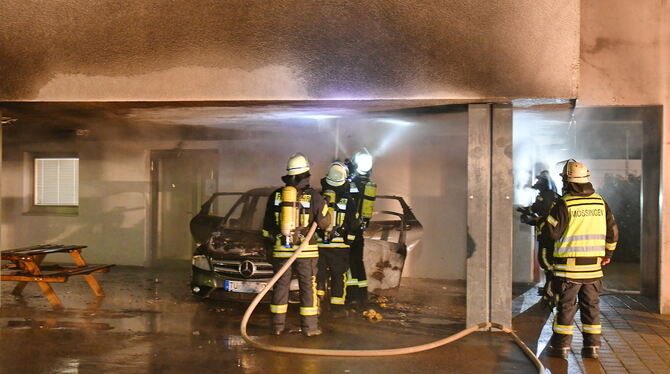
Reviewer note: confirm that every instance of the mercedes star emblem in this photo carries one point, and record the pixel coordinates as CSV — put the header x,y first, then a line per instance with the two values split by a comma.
x,y
247,268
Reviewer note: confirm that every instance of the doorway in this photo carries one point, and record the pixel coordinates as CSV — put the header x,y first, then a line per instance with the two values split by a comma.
x,y
181,180
621,147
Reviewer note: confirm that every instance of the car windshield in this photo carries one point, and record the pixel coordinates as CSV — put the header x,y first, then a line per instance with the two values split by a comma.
x,y
222,205
241,212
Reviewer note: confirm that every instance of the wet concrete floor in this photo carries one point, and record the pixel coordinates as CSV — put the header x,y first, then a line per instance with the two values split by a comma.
x,y
635,338
149,323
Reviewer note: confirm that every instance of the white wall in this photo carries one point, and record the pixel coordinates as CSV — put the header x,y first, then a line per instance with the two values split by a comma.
x,y
625,60
423,160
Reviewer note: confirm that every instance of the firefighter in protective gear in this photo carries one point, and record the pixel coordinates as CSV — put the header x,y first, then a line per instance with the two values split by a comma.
x,y
334,240
547,195
364,193
585,234
289,214
535,215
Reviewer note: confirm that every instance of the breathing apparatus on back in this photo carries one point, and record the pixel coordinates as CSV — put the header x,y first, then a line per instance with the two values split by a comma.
x,y
362,165
290,213
329,195
335,180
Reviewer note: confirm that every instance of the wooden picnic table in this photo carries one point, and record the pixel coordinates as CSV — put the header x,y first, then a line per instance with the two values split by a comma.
x,y
26,266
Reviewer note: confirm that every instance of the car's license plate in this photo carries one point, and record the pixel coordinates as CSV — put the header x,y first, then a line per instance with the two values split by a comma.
x,y
242,286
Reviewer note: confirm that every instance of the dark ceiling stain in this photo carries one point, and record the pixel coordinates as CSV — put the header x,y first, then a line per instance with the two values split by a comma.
x,y
376,48
602,44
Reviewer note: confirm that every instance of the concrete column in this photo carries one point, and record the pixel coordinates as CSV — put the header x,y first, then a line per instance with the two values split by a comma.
x,y
501,214
479,214
489,259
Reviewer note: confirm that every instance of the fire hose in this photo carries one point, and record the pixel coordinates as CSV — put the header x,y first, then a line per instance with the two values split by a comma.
x,y
361,352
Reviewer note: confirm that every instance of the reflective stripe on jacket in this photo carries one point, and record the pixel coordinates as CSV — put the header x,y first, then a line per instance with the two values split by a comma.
x,y
585,233
337,242
578,268
312,209
280,250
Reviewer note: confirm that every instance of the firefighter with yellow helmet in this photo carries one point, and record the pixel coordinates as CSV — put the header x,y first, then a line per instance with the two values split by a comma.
x,y
364,192
334,240
585,234
290,212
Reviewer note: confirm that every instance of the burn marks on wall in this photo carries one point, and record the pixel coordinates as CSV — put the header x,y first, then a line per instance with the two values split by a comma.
x,y
334,49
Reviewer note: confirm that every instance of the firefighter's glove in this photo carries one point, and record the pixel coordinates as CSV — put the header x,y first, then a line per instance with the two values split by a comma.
x,y
528,220
523,210
549,298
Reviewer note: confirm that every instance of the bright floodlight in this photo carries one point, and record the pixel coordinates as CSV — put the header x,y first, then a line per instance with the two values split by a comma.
x,y
363,162
397,122
320,116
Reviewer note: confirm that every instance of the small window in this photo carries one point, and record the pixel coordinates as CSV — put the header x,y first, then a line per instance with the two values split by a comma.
x,y
56,182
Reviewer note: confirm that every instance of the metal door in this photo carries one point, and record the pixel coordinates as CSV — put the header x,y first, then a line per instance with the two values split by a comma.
x,y
182,180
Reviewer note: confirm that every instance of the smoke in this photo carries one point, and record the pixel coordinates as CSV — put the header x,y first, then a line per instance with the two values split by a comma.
x,y
540,143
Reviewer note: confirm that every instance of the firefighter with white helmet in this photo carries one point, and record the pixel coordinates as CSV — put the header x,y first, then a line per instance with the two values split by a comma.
x,y
585,234
334,240
364,192
290,212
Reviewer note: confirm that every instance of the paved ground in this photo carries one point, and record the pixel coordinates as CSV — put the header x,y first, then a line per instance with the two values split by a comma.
x,y
635,340
150,323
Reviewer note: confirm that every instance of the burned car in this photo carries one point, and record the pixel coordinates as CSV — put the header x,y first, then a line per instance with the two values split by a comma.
x,y
231,260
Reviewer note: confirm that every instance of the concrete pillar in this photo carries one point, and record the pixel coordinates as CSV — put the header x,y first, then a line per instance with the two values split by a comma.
x,y
501,215
479,214
489,259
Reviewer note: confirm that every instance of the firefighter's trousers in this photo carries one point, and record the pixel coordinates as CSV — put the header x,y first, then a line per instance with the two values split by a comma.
x,y
305,270
357,283
571,295
333,264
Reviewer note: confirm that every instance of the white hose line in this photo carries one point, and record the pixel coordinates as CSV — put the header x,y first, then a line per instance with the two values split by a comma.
x,y
365,352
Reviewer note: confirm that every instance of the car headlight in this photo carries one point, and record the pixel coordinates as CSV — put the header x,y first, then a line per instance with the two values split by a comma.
x,y
201,262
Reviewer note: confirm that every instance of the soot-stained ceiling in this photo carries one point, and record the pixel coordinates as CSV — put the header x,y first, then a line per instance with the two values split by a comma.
x,y
254,49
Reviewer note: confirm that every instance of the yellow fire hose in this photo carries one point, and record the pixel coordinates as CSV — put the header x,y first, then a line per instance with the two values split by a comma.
x,y
362,352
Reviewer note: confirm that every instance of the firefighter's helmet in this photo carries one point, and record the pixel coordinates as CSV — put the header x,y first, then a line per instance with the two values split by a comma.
x,y
297,164
363,162
544,182
337,174
575,172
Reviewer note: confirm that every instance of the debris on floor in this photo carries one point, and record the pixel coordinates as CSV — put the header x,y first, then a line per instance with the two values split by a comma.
x,y
372,315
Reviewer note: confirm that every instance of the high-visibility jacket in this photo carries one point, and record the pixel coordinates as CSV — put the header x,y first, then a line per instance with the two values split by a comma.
x,y
312,208
584,231
585,234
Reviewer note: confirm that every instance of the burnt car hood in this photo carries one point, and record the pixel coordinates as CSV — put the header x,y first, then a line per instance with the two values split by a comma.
x,y
231,243
203,226
222,243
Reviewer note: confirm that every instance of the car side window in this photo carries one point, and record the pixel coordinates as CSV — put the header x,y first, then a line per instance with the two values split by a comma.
x,y
259,213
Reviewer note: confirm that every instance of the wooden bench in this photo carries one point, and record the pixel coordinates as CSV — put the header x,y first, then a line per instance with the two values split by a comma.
x,y
25,265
